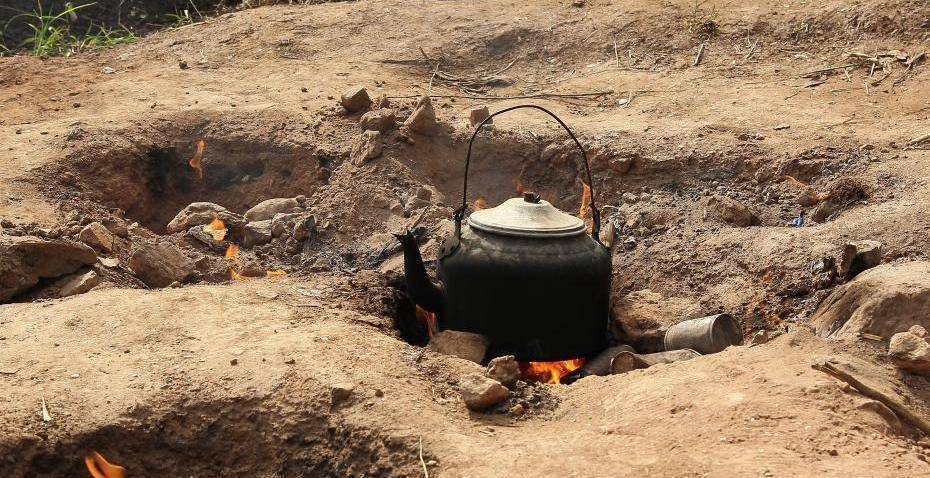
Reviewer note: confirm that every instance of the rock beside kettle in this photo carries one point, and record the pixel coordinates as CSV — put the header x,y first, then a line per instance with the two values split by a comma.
x,y
465,345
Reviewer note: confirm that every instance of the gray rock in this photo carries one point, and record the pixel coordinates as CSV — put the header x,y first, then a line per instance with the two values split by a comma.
x,y
367,146
480,392
380,120
423,118
201,234
629,197
282,223
478,114
355,99
505,370
910,350
24,260
159,263
78,283
304,228
96,235
730,211
269,207
464,345
200,213
256,233
859,256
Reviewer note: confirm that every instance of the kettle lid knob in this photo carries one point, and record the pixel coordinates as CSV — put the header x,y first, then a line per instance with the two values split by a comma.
x,y
531,197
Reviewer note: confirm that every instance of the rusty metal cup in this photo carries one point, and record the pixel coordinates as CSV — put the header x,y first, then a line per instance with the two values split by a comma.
x,y
706,335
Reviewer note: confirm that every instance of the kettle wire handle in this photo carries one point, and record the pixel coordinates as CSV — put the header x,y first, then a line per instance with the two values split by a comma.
x,y
459,214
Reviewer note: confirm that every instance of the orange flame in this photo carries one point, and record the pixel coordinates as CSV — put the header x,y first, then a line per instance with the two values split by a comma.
x,y
99,467
480,204
275,272
549,372
427,318
518,184
216,229
195,162
235,275
232,255
585,201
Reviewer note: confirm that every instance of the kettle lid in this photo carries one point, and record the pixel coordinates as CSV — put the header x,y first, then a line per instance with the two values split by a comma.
x,y
528,216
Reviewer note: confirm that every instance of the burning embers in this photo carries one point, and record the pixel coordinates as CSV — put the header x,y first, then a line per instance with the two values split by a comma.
x,y
549,372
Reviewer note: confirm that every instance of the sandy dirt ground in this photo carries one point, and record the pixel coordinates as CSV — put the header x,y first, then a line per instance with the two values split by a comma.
x,y
305,374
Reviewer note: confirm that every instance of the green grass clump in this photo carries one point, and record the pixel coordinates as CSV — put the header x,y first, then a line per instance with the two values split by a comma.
x,y
52,36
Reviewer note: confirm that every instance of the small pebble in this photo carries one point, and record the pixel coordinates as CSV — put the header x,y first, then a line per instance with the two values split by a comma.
x,y
234,362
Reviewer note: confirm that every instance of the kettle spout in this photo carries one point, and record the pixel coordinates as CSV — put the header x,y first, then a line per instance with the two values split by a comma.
x,y
421,289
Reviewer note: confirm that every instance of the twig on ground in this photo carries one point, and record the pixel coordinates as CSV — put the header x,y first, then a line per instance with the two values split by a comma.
x,y
809,85
506,67
429,87
916,141
423,52
828,70
425,471
700,54
752,49
829,367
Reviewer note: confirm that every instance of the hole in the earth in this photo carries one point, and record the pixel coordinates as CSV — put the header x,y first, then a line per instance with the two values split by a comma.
x,y
153,183
229,438
411,329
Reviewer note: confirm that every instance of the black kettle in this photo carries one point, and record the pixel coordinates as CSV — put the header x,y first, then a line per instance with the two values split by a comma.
x,y
524,274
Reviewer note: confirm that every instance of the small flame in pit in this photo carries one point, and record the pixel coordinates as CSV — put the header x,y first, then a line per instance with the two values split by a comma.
x,y
585,201
216,229
427,318
518,185
99,467
232,252
195,162
480,204
549,372
232,257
